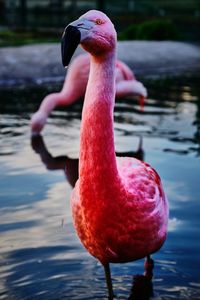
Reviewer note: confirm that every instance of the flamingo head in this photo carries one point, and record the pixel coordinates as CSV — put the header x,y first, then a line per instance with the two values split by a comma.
x,y
93,30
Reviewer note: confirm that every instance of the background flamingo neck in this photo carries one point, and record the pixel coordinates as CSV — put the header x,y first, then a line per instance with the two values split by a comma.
x,y
56,99
97,166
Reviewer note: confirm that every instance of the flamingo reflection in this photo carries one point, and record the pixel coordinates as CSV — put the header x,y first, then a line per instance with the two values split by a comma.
x,y
63,162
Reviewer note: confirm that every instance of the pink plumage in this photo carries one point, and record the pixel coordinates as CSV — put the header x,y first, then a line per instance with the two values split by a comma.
x,y
75,85
125,219
119,207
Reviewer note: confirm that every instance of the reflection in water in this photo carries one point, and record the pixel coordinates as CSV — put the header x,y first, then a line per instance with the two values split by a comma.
x,y
46,273
68,165
52,272
40,255
139,153
142,288
197,124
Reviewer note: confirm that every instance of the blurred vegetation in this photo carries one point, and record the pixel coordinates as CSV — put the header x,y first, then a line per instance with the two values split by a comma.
x,y
35,21
157,30
25,37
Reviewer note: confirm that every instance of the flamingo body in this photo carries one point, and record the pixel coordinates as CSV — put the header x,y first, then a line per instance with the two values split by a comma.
x,y
75,86
127,224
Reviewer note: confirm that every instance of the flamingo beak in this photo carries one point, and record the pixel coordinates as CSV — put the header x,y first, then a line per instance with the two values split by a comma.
x,y
70,41
72,36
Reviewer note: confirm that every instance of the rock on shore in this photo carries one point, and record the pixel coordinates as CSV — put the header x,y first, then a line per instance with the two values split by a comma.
x,y
42,62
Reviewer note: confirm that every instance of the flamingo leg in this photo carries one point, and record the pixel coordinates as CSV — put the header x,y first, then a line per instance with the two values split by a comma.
x,y
148,266
108,281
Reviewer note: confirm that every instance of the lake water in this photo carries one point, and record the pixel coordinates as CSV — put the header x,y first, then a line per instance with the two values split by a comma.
x,y
40,255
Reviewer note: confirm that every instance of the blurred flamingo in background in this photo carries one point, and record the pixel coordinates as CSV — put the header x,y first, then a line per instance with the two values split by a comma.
x,y
75,85
119,207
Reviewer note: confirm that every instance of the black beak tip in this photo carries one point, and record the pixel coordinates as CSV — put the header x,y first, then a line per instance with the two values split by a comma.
x,y
70,41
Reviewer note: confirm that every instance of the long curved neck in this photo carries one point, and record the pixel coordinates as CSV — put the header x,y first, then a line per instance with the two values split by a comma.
x,y
97,153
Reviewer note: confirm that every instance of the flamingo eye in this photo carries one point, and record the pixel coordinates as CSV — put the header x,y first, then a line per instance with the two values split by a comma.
x,y
98,21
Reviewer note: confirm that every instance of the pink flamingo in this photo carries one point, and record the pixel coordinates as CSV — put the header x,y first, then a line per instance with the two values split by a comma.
x,y
75,85
119,207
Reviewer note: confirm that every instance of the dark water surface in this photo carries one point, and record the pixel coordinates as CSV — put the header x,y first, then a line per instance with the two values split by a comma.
x,y
40,255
